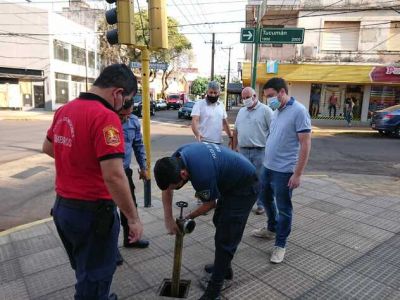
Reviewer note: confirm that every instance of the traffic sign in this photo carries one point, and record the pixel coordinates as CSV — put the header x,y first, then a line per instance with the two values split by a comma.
x,y
153,65
281,35
247,35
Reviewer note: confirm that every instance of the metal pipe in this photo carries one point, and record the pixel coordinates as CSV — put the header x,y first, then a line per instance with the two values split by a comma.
x,y
176,271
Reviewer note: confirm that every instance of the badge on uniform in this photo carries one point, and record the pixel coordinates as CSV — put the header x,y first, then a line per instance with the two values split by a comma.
x,y
203,195
111,136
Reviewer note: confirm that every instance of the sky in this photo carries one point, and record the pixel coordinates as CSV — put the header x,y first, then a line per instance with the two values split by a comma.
x,y
195,12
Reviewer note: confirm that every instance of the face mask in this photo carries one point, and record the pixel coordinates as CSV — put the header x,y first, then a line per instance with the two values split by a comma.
x,y
274,103
248,102
212,99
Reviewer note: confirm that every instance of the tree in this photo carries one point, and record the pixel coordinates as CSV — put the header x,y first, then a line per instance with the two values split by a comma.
x,y
199,86
179,47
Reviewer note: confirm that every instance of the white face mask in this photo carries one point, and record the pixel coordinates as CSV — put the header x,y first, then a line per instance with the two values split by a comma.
x,y
248,102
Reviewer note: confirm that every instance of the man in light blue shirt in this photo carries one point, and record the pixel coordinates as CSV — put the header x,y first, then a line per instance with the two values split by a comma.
x,y
288,144
133,143
251,131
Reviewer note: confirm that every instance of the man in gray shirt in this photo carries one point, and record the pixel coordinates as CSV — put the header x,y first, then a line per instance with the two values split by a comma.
x,y
288,144
251,132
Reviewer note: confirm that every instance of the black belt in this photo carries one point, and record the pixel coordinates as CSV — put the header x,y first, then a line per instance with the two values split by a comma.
x,y
85,205
253,147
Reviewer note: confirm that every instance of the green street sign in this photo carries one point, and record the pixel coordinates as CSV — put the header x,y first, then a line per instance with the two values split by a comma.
x,y
247,35
281,35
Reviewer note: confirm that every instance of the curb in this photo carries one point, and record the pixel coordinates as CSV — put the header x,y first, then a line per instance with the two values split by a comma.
x,y
24,226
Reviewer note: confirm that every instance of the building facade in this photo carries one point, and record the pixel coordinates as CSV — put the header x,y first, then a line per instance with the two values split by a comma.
x,y
46,59
351,50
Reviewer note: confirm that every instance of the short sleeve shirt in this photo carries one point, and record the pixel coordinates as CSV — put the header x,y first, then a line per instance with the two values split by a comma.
x,y
84,132
215,170
283,142
252,125
211,116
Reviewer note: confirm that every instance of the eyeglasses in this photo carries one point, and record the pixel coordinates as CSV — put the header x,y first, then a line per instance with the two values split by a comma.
x,y
127,103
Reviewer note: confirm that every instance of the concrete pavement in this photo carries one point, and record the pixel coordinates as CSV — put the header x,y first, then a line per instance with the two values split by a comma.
x,y
345,244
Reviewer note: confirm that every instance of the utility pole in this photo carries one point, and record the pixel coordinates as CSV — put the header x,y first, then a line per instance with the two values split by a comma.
x,y
229,73
213,42
260,11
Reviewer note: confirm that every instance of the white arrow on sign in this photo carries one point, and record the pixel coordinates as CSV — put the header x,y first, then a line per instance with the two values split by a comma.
x,y
248,35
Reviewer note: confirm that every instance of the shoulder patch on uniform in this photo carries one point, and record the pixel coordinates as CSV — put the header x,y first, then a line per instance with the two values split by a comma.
x,y
203,195
111,136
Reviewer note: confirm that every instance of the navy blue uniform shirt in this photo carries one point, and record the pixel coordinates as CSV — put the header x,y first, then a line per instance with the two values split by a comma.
x,y
215,170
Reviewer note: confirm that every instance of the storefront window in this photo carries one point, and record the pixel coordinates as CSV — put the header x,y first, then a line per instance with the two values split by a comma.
x,y
62,90
383,96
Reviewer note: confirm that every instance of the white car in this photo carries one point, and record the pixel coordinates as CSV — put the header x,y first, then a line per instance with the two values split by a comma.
x,y
161,104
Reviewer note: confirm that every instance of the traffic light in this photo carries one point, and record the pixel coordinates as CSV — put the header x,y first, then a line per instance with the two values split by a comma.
x,y
123,16
158,24
222,83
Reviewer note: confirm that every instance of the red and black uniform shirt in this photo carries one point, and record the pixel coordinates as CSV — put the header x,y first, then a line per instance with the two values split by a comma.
x,y
84,132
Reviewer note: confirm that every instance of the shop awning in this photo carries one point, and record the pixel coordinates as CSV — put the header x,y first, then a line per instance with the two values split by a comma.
x,y
321,73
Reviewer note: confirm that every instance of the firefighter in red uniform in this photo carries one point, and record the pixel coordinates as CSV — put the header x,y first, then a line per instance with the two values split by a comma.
x,y
86,140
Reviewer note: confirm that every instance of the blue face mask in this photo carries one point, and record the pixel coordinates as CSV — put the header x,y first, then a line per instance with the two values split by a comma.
x,y
274,103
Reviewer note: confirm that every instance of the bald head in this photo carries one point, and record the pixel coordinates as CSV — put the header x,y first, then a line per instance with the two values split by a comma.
x,y
248,92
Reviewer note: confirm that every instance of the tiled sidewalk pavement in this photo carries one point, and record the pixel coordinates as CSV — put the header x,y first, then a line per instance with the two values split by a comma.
x,y
345,244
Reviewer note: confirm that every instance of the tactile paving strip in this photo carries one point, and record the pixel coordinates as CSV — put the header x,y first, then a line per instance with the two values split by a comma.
x,y
43,260
127,281
254,289
36,244
313,265
387,253
326,292
50,281
10,271
31,232
14,290
326,207
288,280
378,270
335,252
353,241
358,285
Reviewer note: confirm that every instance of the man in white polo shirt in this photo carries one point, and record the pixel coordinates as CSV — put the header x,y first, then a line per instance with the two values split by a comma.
x,y
251,132
209,117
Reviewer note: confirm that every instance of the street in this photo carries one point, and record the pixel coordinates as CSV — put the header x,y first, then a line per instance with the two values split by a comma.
x,y
27,176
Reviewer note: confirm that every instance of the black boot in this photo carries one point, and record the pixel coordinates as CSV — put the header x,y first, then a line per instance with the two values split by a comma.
x,y
212,292
209,268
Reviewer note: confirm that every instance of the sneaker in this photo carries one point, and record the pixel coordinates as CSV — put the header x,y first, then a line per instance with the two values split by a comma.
x,y
263,233
259,211
277,255
209,268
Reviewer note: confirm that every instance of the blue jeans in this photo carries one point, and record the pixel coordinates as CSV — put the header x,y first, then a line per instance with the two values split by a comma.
x,y
92,257
256,157
278,203
230,218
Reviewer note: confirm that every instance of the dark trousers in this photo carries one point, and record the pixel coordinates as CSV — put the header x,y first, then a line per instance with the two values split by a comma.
x,y
230,218
91,256
332,106
124,221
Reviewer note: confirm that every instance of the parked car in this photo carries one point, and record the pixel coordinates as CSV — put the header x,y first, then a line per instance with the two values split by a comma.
x,y
161,104
174,101
186,110
387,121
137,106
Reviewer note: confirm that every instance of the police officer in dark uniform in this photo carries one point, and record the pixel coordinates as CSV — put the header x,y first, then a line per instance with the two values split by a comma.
x,y
86,140
215,172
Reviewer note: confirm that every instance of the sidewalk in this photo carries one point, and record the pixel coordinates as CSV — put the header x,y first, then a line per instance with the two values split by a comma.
x,y
345,244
